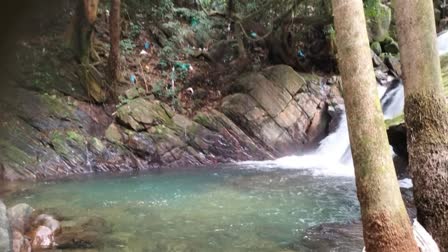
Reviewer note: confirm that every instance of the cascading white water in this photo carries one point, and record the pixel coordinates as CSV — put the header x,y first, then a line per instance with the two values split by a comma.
x,y
333,156
442,42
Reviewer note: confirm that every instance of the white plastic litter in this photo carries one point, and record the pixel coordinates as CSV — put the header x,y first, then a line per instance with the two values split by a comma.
x,y
143,52
190,90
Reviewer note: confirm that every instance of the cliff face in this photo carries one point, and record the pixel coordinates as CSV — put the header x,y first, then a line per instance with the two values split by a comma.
x,y
47,129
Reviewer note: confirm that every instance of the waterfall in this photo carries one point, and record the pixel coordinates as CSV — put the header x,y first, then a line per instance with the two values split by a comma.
x,y
442,42
333,156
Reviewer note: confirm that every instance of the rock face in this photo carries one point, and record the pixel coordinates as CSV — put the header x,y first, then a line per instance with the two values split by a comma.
x,y
266,114
43,238
20,217
277,107
379,17
5,242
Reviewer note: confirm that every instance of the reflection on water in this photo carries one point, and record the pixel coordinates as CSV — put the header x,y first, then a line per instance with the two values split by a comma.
x,y
202,210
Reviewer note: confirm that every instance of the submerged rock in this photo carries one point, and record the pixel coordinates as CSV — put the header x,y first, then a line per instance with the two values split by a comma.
x,y
332,237
83,233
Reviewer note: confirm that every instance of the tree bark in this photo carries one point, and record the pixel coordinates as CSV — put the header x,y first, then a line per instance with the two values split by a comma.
x,y
426,115
115,31
386,225
80,32
235,27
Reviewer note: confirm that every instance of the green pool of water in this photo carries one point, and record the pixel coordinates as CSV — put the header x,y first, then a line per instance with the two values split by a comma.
x,y
201,210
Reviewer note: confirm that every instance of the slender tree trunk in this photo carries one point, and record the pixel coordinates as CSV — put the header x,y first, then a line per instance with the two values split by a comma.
x,y
114,28
386,225
79,34
236,29
425,114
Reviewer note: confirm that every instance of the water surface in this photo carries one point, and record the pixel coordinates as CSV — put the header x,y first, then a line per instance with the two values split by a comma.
x,y
223,209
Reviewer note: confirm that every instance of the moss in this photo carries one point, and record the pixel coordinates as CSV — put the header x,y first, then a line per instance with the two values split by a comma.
x,y
395,121
204,120
75,136
444,66
97,144
10,153
56,106
426,115
64,142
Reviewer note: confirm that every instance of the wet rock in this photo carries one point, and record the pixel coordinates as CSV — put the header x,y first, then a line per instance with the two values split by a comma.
x,y
390,46
5,241
376,47
43,238
20,217
47,221
394,64
20,243
378,63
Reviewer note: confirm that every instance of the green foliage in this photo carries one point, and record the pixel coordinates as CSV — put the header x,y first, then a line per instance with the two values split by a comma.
x,y
158,89
127,45
135,30
371,8
168,53
161,8
155,9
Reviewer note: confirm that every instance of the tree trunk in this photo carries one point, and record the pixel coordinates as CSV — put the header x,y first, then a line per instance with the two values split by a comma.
x,y
425,114
386,225
79,34
236,29
114,28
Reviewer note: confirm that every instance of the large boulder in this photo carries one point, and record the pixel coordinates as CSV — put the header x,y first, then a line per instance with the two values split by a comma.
x,y
379,17
20,217
277,106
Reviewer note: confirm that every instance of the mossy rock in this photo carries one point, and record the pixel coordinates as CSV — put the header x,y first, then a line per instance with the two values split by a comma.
x,y
379,17
376,47
113,134
139,114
